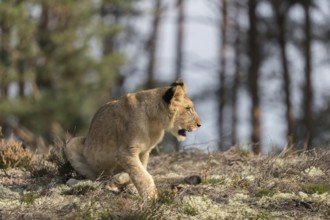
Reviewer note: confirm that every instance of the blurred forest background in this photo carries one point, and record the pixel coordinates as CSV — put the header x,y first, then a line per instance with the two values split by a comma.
x,y
253,67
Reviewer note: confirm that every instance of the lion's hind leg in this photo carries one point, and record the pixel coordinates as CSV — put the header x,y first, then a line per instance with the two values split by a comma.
x,y
74,153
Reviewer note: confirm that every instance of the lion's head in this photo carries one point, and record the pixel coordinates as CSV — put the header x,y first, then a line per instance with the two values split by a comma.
x,y
182,108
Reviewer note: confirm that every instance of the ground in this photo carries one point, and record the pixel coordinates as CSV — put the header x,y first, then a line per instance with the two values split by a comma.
x,y
235,185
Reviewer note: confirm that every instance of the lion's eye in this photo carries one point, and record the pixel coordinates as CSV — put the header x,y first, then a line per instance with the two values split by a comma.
x,y
188,109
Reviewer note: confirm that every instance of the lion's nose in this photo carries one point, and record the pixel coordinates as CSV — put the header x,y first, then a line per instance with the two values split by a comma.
x,y
198,122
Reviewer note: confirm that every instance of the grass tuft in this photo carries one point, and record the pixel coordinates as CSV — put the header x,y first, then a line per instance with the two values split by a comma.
x,y
40,172
188,209
264,192
327,213
28,198
240,182
166,196
79,189
214,181
63,166
318,188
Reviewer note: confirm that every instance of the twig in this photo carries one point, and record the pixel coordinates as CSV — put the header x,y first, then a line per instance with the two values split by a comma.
x,y
6,174
206,171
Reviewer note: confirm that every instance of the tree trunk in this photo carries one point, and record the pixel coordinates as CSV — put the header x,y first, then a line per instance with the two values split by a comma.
x,y
109,41
179,39
35,89
179,49
222,70
21,82
308,92
254,55
237,63
110,45
152,44
280,17
43,78
4,58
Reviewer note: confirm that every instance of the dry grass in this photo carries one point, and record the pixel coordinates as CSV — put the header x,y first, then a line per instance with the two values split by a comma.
x,y
236,185
12,155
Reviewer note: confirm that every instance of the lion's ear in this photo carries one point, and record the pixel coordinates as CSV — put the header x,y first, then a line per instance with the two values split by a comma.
x,y
180,83
174,93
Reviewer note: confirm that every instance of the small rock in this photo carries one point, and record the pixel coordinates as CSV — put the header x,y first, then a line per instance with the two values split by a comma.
x,y
302,195
220,198
193,180
72,182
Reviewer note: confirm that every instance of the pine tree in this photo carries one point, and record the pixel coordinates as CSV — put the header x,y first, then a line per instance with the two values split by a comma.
x,y
47,52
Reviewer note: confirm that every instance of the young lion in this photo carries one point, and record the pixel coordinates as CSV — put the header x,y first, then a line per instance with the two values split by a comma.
x,y
124,131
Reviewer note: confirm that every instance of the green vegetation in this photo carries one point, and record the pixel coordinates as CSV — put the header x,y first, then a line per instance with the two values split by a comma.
x,y
165,196
327,213
318,188
63,166
28,198
47,51
240,182
214,181
41,172
256,216
80,189
188,209
264,192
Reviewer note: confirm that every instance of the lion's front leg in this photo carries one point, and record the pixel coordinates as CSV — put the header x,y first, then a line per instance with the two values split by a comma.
x,y
144,157
139,175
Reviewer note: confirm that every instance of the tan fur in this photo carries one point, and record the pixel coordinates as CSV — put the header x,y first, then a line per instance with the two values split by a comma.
x,y
123,132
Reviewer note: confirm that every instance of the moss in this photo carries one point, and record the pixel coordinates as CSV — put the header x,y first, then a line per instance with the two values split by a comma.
x,y
241,152
86,215
166,196
107,214
214,181
188,209
240,182
7,193
80,189
259,216
327,213
28,198
314,171
264,192
318,188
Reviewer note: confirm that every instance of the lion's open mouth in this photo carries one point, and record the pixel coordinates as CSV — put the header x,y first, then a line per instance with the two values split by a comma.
x,y
182,132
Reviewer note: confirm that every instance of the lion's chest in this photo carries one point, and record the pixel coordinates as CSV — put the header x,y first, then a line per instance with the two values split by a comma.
x,y
156,137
